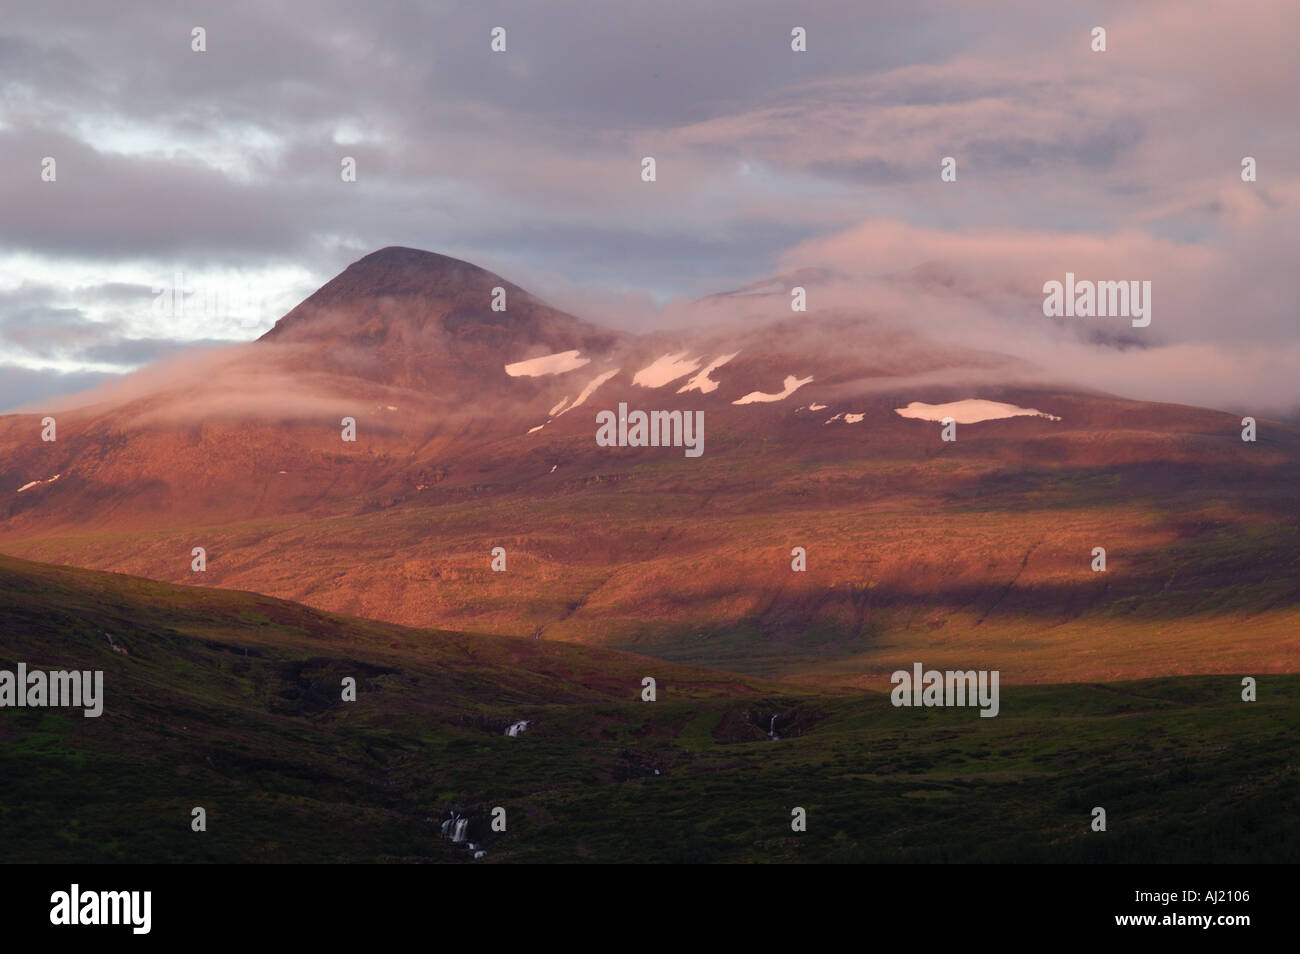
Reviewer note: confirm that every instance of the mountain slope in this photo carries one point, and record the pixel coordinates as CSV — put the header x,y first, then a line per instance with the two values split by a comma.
x,y
472,435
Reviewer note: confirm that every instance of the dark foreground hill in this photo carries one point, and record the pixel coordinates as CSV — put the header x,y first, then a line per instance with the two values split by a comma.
x,y
231,702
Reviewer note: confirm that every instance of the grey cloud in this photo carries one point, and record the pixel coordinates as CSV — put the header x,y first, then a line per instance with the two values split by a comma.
x,y
869,171
111,206
21,386
138,351
1100,147
47,332
652,262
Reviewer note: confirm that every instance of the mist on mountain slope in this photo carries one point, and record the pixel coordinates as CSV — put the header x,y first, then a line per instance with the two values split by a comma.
x,y
417,328
1224,332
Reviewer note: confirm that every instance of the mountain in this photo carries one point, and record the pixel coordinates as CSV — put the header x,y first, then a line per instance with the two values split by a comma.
x,y
476,429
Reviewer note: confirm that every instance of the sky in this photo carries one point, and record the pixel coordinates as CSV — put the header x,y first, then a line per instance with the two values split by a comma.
x,y
218,172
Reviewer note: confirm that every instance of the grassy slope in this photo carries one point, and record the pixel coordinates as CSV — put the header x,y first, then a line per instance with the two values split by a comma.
x,y
288,772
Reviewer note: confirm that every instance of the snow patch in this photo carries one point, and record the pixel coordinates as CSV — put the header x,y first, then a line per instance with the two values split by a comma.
x,y
970,411
701,381
853,418
836,418
547,364
537,428
37,483
790,385
818,407
666,369
590,389
553,411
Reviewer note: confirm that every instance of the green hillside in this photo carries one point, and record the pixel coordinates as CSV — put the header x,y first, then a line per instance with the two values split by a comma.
x,y
232,702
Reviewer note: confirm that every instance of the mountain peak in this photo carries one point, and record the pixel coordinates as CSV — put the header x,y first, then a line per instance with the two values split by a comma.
x,y
401,256
400,272
419,283
391,253
413,309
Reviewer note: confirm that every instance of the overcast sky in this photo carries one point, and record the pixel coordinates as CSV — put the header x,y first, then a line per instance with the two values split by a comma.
x,y
221,169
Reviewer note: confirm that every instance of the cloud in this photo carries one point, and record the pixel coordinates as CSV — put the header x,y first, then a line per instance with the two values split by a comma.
x,y
1223,326
226,163
23,387
40,331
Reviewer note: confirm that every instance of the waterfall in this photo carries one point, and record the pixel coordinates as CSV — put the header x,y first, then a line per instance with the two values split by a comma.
x,y
456,828
517,727
771,729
